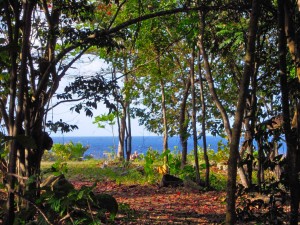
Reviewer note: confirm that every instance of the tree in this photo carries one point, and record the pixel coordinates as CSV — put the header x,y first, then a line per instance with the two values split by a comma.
x,y
287,35
40,41
203,123
213,90
234,153
35,61
194,112
174,56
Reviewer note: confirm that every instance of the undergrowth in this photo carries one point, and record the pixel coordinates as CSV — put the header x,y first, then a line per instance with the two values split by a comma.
x,y
144,170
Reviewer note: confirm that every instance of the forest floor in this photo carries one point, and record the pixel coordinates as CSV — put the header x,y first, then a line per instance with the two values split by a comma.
x,y
144,203
150,204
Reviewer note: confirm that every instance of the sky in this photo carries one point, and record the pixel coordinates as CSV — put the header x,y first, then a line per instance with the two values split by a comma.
x,y
88,65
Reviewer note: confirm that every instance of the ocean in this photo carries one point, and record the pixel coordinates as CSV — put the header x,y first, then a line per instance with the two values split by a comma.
x,y
98,146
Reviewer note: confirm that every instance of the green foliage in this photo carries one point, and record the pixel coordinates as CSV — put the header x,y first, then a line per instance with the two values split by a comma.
x,y
59,168
218,181
3,148
60,126
174,161
232,34
60,203
105,118
150,157
65,152
153,159
74,206
221,155
92,90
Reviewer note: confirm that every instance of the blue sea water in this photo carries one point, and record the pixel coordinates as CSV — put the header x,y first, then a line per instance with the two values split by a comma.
x,y
100,145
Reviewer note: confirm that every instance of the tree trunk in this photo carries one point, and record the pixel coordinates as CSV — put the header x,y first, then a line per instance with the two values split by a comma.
x,y
203,122
128,135
183,125
164,111
291,36
210,81
121,120
194,120
238,119
122,125
165,123
214,95
277,169
284,22
15,120
128,139
250,121
260,171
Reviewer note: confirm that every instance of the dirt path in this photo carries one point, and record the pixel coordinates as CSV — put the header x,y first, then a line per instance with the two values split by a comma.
x,y
152,205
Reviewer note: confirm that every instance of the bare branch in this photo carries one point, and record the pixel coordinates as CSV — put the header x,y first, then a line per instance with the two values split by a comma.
x,y
69,100
66,68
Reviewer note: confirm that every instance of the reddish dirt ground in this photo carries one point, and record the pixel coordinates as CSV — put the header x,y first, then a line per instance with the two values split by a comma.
x,y
153,205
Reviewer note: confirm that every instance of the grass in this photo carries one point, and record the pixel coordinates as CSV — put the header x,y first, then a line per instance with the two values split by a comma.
x,y
91,170
124,173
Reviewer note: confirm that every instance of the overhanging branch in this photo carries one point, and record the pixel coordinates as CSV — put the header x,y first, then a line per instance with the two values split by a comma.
x,y
69,100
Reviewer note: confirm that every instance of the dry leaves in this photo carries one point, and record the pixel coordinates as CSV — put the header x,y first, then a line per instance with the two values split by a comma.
x,y
153,205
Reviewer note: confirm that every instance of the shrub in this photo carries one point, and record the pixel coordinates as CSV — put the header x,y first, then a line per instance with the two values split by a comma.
x,y
65,152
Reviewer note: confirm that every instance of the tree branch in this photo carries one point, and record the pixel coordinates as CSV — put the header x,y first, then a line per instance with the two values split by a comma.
x,y
116,14
168,12
69,100
63,73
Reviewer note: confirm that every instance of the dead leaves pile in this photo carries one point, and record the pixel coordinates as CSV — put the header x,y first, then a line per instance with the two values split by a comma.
x,y
152,205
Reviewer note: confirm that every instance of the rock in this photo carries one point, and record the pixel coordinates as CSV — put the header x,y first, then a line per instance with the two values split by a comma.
x,y
107,203
190,184
170,180
58,184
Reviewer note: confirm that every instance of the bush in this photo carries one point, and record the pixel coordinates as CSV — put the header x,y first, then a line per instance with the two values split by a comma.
x,y
65,152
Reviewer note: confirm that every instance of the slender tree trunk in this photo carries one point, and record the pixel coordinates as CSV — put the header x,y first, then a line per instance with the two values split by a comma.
x,y
210,81
164,111
290,136
128,135
250,121
194,120
183,123
238,119
122,128
214,95
260,170
11,183
277,169
165,123
128,138
203,122
121,122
